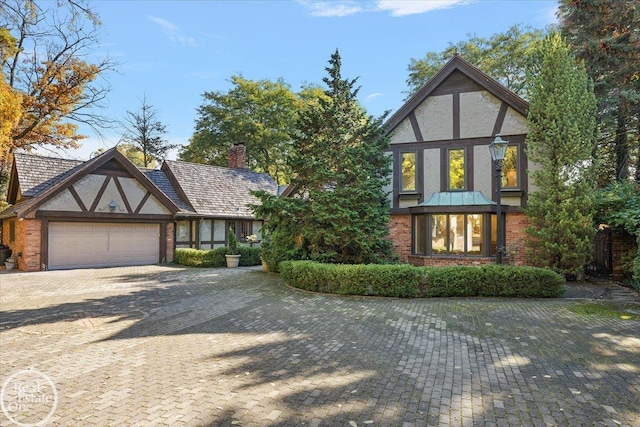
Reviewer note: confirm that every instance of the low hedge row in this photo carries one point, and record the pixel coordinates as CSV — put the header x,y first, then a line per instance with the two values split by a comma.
x,y
215,257
418,282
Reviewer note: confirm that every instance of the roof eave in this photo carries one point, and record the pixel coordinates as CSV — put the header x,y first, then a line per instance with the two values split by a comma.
x,y
85,169
473,72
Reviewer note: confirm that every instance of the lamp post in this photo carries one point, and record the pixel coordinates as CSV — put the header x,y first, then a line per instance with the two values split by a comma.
x,y
498,148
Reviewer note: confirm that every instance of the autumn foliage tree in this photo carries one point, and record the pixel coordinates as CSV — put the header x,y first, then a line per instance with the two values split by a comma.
x,y
10,99
45,61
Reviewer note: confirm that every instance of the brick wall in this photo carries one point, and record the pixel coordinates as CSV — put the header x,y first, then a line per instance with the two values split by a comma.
x,y
237,155
516,238
434,261
400,235
31,259
5,232
26,246
170,242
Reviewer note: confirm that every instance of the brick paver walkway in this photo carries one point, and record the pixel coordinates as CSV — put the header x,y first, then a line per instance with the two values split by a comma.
x,y
169,346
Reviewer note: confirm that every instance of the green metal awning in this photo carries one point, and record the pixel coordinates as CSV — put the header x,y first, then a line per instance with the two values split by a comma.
x,y
457,198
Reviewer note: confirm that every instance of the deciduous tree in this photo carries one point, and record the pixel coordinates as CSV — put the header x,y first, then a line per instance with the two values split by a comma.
x,y
618,206
144,131
504,56
561,140
44,57
261,114
132,153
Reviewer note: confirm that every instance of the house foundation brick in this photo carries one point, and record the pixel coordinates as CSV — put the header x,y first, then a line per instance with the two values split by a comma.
x,y
400,235
516,223
170,242
434,261
26,246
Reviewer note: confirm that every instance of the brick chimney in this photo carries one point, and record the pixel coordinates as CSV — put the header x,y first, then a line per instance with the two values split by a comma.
x,y
237,155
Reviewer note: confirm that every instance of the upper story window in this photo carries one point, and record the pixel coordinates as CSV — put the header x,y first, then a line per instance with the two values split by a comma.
x,y
456,167
510,168
408,172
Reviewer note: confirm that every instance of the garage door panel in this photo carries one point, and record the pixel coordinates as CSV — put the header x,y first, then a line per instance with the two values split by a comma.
x,y
86,245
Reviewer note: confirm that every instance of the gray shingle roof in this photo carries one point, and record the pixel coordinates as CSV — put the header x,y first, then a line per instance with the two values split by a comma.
x,y
218,191
37,173
211,190
159,178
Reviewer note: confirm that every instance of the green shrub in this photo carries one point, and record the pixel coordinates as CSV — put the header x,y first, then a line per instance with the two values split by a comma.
x,y
249,256
280,246
200,258
357,279
410,282
635,281
215,257
232,246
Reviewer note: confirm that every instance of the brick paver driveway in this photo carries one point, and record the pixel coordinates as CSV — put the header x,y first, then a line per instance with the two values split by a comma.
x,y
171,346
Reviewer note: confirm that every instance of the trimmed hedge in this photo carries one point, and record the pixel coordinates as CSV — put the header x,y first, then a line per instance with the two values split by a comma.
x,y
418,282
215,257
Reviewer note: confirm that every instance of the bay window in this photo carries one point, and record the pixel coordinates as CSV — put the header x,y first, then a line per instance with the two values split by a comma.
x,y
457,234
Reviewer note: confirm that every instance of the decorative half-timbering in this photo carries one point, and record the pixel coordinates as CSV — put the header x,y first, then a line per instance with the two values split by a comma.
x,y
73,214
219,198
442,200
107,212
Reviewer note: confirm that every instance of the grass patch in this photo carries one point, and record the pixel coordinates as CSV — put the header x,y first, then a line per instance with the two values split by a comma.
x,y
602,310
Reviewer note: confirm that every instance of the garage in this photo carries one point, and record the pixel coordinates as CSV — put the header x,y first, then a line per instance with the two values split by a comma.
x,y
97,244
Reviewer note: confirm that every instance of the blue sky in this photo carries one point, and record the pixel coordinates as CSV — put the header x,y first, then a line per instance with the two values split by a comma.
x,y
174,51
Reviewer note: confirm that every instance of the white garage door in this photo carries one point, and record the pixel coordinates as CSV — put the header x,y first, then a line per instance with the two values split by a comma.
x,y
84,245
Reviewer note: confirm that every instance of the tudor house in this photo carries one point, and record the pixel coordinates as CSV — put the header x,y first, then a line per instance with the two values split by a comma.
x,y
442,192
107,212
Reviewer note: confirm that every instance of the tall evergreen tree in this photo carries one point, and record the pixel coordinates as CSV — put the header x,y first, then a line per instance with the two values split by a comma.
x,y
561,140
606,35
338,211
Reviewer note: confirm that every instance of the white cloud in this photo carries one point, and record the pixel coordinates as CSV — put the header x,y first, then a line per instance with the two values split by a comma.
x,y
414,7
173,31
340,8
332,8
372,96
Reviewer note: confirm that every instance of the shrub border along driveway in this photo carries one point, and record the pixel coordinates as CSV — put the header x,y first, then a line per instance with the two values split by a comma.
x,y
183,346
406,281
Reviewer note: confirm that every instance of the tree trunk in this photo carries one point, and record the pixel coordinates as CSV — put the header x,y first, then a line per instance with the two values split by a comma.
x,y
622,148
